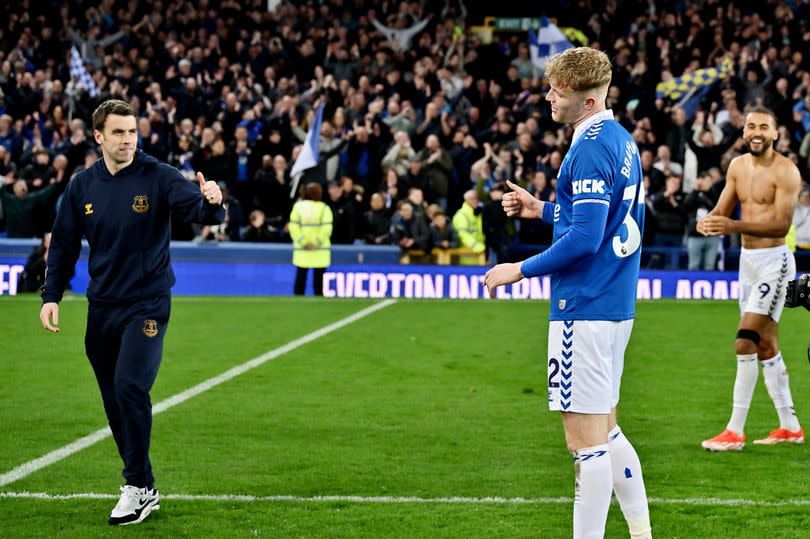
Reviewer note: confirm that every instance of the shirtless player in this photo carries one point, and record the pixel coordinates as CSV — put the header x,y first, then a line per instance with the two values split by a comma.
x,y
767,186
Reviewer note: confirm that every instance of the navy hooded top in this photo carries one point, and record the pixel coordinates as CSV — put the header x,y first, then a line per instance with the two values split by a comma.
x,y
126,220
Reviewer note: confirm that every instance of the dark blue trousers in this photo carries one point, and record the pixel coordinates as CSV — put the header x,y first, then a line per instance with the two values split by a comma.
x,y
124,343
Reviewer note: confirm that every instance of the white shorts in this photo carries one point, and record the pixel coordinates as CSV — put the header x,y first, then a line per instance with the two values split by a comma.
x,y
585,363
764,274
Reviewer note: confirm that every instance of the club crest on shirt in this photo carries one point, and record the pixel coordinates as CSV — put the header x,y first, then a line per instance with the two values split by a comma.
x,y
88,208
150,328
561,304
140,204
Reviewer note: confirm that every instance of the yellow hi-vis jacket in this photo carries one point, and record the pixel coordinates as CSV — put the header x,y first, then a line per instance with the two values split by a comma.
x,y
470,228
790,239
311,226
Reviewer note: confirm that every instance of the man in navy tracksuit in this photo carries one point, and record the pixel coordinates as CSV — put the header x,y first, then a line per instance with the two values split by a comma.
x,y
122,205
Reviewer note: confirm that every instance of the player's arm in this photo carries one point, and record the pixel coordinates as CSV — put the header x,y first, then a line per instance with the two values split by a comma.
x,y
197,203
726,203
588,220
589,212
578,242
66,244
520,203
728,197
787,193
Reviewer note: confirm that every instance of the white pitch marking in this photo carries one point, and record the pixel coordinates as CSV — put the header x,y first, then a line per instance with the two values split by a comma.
x,y
26,469
493,500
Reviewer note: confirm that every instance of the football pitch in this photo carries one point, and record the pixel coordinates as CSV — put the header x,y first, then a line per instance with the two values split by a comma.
x,y
299,417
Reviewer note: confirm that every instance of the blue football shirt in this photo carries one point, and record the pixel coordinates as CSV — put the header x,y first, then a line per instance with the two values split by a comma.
x,y
602,167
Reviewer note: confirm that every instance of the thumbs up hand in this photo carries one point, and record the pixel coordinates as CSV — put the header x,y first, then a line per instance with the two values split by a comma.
x,y
210,190
520,203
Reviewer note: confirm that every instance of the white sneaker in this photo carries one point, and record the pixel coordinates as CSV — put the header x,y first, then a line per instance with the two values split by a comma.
x,y
154,496
134,505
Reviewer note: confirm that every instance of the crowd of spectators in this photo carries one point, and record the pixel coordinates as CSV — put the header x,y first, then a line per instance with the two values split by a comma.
x,y
423,120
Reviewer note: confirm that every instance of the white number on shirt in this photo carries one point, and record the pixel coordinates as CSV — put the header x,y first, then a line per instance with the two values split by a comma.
x,y
633,242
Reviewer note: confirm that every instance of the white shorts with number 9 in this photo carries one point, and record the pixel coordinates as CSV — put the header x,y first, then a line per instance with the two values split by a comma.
x,y
764,274
585,363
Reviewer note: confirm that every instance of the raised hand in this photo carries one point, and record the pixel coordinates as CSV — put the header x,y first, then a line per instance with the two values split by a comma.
x,y
520,203
210,190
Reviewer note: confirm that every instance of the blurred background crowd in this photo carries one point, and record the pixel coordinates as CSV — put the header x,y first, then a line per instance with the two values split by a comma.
x,y
423,117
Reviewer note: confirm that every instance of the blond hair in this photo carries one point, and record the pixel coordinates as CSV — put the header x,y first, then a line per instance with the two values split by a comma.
x,y
580,69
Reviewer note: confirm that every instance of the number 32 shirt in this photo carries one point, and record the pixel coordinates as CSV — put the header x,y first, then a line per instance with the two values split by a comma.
x,y
598,222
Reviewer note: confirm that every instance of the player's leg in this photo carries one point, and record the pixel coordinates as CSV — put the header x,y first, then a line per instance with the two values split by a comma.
x,y
745,346
102,342
628,481
579,379
586,438
103,345
762,312
777,382
138,363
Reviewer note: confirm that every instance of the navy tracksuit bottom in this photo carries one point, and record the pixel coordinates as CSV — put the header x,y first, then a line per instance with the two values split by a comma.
x,y
124,343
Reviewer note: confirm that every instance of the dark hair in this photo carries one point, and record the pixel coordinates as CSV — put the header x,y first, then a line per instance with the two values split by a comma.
x,y
312,191
763,110
111,106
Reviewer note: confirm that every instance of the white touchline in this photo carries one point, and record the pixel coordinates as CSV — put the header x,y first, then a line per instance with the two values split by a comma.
x,y
26,469
494,500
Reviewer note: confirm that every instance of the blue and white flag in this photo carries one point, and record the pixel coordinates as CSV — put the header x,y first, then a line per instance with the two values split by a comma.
x,y
692,101
545,44
311,150
79,73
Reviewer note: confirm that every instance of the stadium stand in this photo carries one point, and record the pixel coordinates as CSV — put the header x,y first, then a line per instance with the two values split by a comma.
x,y
415,95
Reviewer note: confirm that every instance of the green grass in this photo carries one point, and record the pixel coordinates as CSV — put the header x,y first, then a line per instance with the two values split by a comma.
x,y
421,399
